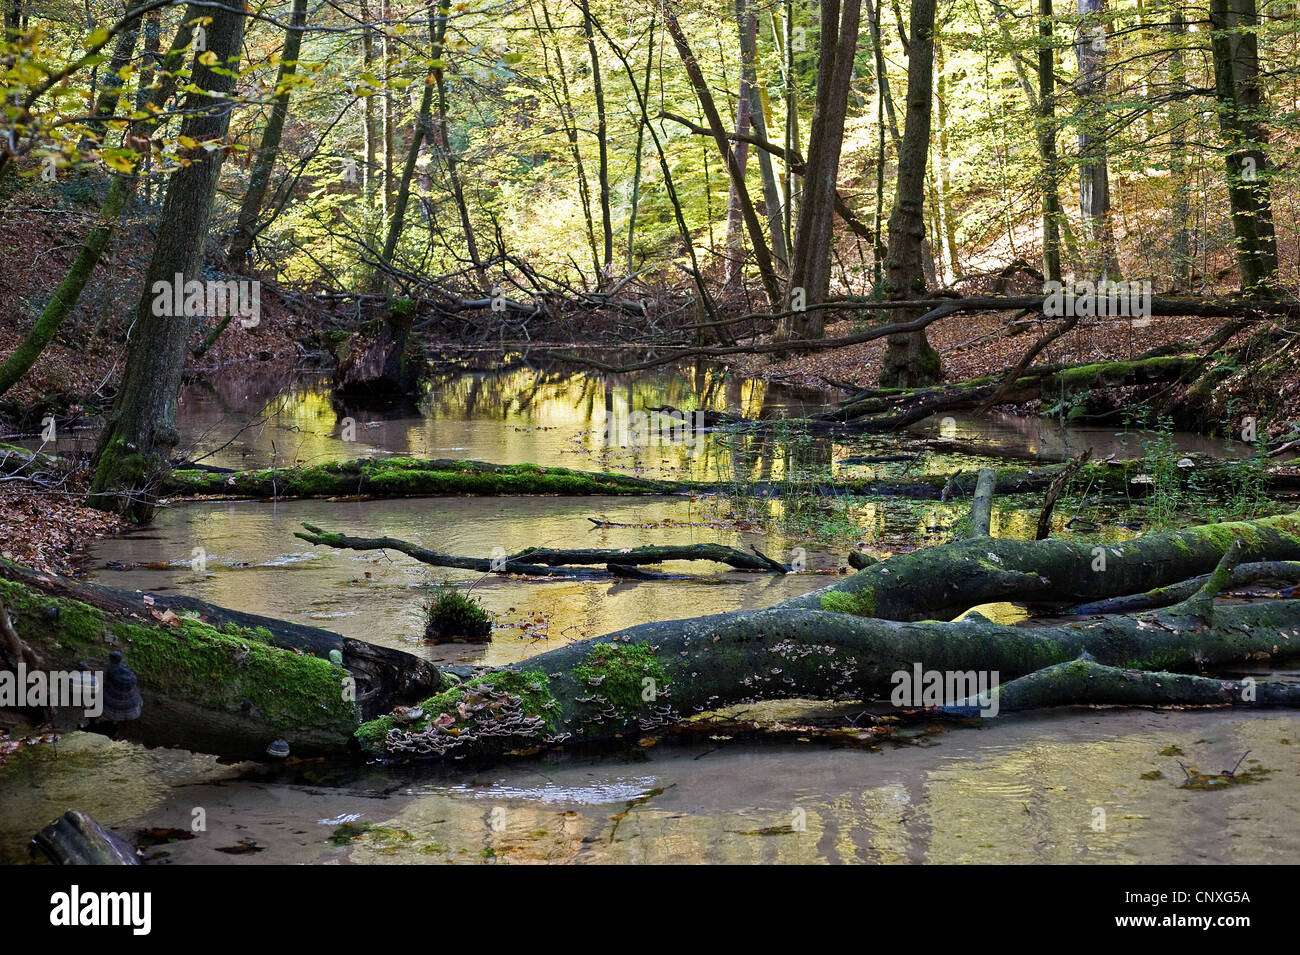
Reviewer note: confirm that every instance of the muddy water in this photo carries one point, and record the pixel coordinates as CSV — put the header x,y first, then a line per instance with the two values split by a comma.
x,y
1065,786
1019,790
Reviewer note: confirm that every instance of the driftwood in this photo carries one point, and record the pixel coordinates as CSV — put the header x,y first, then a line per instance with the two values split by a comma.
x,y
837,643
544,561
1054,490
75,838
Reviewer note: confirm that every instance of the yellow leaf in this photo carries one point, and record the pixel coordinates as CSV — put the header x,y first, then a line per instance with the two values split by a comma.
x,y
208,58
120,163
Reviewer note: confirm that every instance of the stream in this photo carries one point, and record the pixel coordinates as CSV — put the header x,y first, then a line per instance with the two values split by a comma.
x,y
1030,788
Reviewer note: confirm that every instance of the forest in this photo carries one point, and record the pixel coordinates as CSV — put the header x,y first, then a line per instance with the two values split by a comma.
x,y
681,431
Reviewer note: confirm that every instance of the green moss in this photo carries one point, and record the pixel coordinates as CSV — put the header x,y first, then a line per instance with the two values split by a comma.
x,y
193,661
452,615
371,734
861,604
529,688
196,662
617,672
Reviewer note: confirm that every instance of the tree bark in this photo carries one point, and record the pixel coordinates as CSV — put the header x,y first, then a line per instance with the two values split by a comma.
x,y
909,360
810,258
137,439
1094,177
1237,91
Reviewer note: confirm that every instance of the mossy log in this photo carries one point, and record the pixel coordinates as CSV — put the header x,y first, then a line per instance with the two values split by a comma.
x,y
383,677
212,686
1274,570
888,409
547,561
1085,682
409,477
834,644
648,676
942,582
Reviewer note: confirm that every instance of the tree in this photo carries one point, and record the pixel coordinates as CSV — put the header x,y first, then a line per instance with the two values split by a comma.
x,y
1240,104
241,242
909,359
810,258
134,447
120,191
1094,175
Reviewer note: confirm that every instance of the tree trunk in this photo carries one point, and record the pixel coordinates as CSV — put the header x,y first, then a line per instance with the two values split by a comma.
x,y
598,90
810,258
442,142
137,439
437,29
1094,177
944,210
759,117
640,141
1179,117
1237,91
909,360
1047,144
241,243
762,254
370,135
840,643
735,254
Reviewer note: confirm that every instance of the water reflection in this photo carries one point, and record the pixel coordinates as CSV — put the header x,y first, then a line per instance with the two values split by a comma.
x,y
1021,791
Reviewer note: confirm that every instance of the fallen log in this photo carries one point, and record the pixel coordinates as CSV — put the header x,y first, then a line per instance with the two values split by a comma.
x,y
225,689
648,676
892,409
75,838
1085,682
409,477
824,647
942,582
543,561
1276,570
383,677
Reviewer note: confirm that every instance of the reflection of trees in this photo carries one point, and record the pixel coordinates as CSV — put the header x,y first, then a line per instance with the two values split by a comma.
x,y
514,388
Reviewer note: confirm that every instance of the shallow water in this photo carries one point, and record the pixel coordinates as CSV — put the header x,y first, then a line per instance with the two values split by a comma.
x,y
1023,789
1038,788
